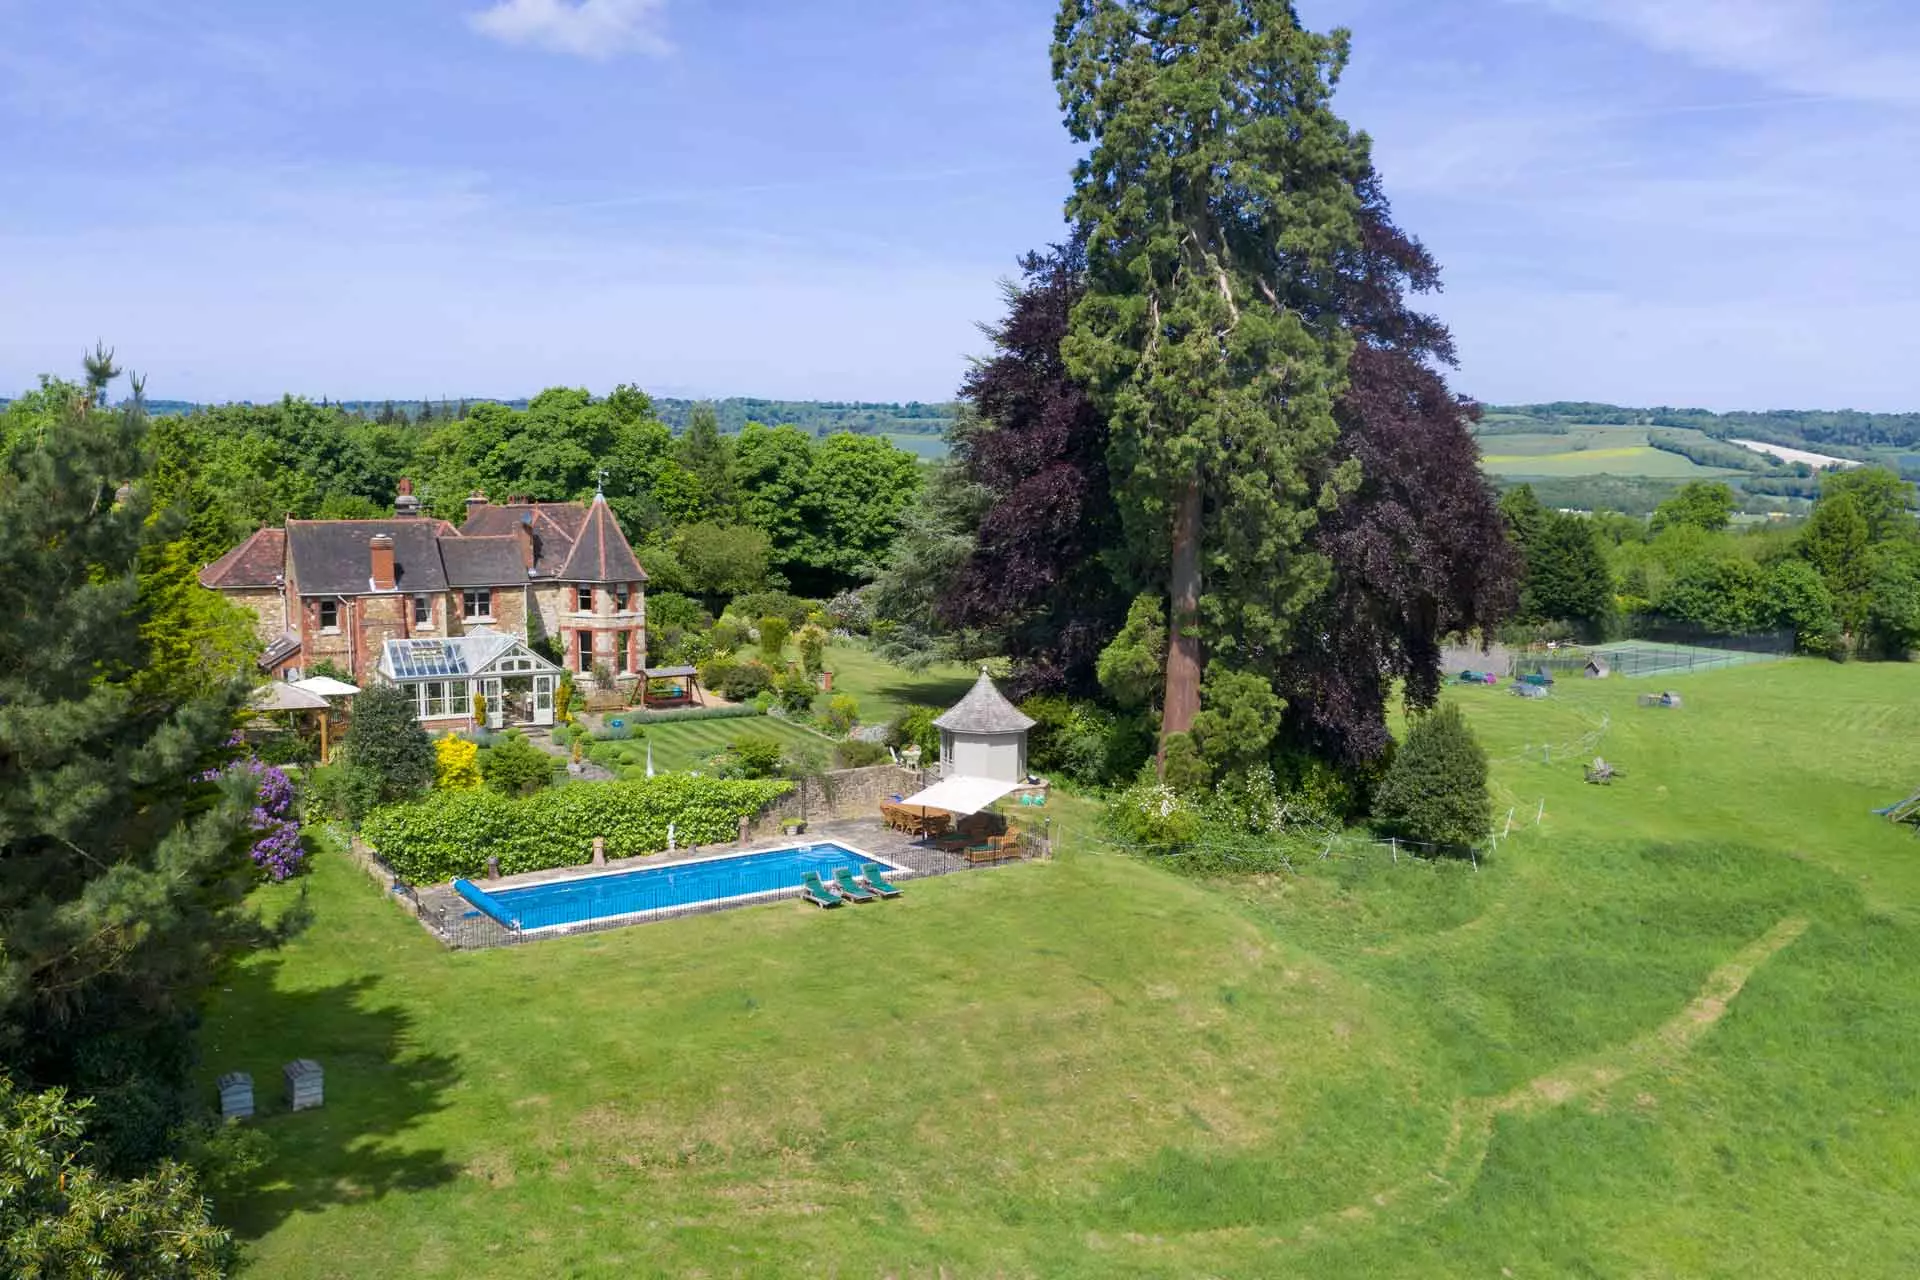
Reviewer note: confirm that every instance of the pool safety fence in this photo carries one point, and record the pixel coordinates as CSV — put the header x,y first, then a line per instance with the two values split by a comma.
x,y
483,921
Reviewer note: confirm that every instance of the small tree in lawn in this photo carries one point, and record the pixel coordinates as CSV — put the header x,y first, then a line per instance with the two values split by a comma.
x,y
812,643
1435,791
773,638
386,739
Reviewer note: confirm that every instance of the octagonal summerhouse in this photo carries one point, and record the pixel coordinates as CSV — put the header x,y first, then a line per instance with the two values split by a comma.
x,y
984,736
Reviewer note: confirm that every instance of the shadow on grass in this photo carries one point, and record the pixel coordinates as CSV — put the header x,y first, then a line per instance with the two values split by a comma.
x,y
931,691
359,1145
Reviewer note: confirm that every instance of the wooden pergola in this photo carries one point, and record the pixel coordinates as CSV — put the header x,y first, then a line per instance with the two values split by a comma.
x,y
683,686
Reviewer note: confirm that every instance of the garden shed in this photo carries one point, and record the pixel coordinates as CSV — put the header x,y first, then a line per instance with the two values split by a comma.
x,y
983,735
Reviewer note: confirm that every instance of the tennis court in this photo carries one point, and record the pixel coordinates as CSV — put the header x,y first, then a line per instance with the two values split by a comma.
x,y
1652,657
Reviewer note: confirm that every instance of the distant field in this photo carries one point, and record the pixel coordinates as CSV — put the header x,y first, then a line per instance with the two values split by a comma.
x,y
924,446
1627,460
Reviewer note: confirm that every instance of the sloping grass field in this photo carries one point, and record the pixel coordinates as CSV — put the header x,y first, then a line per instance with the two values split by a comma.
x,y
1665,1029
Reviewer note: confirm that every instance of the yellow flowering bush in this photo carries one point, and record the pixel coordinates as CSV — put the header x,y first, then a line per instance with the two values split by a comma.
x,y
456,763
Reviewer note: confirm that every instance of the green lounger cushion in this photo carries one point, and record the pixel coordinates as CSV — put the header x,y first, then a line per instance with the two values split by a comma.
x,y
816,893
843,881
876,878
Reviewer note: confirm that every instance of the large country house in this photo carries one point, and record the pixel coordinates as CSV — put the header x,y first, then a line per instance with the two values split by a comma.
x,y
448,612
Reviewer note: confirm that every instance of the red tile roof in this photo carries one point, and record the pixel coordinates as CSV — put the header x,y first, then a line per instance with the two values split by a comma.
x,y
257,562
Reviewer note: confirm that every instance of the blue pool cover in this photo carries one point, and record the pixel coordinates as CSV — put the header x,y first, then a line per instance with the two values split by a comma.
x,y
645,889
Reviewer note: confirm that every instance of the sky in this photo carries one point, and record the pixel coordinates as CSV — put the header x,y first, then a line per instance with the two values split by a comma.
x,y
1638,201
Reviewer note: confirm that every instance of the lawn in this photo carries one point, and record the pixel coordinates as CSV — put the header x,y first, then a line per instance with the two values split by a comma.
x,y
1665,1030
689,744
884,690
1619,460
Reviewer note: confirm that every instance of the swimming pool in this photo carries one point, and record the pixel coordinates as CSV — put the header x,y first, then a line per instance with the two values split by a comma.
x,y
677,886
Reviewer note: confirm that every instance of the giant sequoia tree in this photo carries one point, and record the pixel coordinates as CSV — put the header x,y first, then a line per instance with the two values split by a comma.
x,y
1218,193
123,873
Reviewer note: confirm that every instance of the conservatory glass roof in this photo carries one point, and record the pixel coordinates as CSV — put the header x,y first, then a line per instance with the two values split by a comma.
x,y
456,657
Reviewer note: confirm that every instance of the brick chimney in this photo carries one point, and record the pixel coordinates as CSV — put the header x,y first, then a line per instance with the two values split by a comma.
x,y
524,531
475,501
405,505
380,552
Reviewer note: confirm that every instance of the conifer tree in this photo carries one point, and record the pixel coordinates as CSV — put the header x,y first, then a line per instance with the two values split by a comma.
x,y
1218,194
123,873
1435,790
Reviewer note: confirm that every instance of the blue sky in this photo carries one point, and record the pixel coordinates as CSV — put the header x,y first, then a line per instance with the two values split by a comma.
x,y
1635,200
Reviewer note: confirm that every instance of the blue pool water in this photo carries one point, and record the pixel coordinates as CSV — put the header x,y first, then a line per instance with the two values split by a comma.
x,y
619,893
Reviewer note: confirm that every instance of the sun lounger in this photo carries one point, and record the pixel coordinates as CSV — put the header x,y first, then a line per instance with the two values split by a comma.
x,y
818,894
873,875
847,887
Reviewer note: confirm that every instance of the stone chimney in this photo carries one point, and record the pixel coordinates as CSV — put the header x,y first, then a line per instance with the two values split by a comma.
x,y
475,501
405,505
380,552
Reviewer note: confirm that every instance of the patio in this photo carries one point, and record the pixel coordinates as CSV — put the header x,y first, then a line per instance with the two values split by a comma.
x,y
460,925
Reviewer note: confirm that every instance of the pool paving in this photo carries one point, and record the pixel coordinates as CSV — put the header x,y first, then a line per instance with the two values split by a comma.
x,y
460,924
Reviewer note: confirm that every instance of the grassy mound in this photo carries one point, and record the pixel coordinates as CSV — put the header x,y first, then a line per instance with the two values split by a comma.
x,y
1663,1031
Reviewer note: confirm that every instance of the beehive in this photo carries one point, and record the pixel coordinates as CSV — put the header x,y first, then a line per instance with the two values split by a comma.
x,y
236,1096
303,1084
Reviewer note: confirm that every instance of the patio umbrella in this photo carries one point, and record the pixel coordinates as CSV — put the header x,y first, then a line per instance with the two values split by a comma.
x,y
326,687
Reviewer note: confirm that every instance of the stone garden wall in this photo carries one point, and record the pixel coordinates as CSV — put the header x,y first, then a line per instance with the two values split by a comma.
x,y
846,793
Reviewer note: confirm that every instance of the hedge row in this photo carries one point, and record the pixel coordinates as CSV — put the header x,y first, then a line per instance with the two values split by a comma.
x,y
453,833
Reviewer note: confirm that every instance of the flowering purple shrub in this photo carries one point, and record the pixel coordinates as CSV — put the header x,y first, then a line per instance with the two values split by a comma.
x,y
276,848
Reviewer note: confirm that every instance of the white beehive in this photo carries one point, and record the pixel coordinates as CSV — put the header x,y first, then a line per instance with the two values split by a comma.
x,y
303,1084
236,1096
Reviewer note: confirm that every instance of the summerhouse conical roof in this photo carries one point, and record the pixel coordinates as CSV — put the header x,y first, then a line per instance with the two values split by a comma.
x,y
984,710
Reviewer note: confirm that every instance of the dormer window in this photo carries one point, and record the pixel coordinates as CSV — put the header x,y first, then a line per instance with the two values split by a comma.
x,y
583,599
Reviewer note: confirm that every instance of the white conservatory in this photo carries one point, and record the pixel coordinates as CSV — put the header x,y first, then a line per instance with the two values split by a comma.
x,y
443,675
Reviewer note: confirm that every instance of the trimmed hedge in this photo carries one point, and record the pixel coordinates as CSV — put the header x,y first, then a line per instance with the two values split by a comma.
x,y
453,833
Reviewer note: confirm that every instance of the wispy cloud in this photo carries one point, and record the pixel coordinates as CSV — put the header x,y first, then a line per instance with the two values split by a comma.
x,y
597,29
1863,52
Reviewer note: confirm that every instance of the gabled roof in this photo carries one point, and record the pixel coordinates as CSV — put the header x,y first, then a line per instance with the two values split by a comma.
x,y
456,657
984,710
257,562
486,561
555,527
330,557
602,554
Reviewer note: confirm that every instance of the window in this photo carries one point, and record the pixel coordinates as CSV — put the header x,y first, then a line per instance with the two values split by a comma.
x,y
444,698
329,615
583,599
620,597
423,611
476,605
583,657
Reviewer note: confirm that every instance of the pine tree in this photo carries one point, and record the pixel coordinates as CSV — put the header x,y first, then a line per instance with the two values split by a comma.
x,y
1218,193
703,451
1435,790
123,875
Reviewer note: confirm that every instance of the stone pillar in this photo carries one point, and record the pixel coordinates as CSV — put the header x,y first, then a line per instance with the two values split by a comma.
x,y
743,829
599,851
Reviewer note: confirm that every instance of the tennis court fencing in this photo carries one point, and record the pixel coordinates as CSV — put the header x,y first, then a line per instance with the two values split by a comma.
x,y
1655,652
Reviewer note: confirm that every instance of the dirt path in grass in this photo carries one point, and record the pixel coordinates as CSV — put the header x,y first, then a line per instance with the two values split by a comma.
x,y
1471,1132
